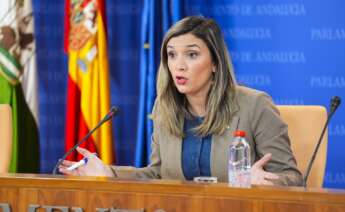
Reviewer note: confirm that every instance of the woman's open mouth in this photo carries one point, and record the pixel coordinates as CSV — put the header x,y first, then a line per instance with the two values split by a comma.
x,y
181,80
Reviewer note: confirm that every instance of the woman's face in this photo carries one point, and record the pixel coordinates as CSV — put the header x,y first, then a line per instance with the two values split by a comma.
x,y
190,65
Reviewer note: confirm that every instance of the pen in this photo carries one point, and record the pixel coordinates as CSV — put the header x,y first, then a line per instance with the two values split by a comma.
x,y
81,162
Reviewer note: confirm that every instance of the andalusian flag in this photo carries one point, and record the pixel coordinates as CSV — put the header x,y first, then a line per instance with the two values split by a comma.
x,y
88,97
18,82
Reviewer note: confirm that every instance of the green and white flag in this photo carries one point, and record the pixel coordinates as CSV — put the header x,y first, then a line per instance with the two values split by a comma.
x,y
18,82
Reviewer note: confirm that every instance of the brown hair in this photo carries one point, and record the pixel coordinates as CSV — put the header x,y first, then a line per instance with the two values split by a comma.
x,y
172,107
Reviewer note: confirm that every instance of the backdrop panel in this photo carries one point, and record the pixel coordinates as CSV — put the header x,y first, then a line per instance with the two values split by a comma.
x,y
292,49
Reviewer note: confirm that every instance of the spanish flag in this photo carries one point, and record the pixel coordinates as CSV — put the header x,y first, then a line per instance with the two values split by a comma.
x,y
88,92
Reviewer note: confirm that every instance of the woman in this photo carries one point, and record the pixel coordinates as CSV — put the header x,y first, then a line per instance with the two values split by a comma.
x,y
198,107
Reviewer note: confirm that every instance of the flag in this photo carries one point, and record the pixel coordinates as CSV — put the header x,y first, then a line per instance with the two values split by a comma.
x,y
157,17
88,92
18,82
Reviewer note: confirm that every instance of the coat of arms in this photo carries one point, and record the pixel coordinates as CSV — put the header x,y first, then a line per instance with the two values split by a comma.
x,y
82,19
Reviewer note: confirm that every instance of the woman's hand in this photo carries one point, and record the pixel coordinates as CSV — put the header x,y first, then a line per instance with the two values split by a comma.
x,y
94,166
258,175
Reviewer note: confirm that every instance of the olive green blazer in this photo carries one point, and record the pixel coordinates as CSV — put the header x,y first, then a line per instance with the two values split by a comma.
x,y
265,132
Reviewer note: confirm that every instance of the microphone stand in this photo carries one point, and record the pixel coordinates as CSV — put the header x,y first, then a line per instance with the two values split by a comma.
x,y
335,102
113,111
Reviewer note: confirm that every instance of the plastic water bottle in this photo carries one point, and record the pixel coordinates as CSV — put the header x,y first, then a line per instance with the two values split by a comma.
x,y
239,161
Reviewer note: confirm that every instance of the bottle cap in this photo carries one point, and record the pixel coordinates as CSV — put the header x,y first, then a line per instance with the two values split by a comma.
x,y
239,133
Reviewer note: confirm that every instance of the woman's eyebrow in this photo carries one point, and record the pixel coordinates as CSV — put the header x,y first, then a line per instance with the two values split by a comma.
x,y
187,46
193,45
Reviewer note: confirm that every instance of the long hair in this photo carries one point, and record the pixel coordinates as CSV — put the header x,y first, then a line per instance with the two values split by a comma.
x,y
172,107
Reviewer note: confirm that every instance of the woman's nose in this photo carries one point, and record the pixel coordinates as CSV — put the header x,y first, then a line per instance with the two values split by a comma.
x,y
181,64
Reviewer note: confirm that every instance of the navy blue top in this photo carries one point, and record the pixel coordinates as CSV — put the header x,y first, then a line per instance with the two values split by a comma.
x,y
196,151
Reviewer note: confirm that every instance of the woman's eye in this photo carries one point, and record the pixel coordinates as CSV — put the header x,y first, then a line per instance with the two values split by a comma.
x,y
193,55
171,55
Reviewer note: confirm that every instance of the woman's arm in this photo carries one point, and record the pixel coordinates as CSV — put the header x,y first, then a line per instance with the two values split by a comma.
x,y
96,167
271,136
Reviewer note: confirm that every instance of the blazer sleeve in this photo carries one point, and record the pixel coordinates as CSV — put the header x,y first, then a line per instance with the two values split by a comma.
x,y
271,136
152,171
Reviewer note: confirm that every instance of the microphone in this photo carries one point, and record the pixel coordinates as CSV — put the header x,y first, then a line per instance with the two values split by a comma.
x,y
335,102
112,112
